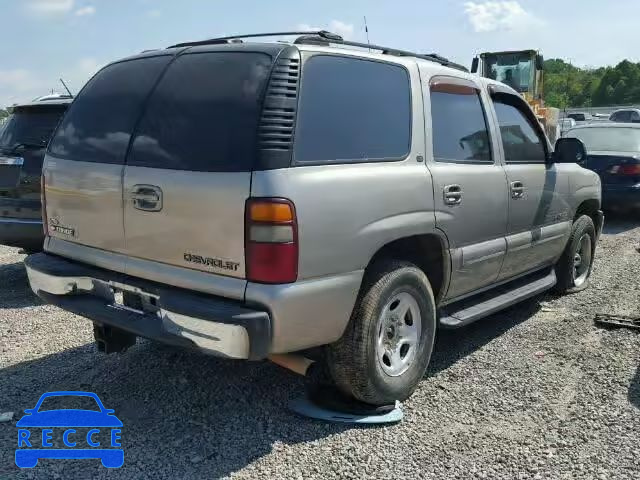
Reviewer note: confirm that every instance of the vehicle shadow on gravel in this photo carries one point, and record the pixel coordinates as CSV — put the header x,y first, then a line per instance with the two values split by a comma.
x,y
185,415
453,345
16,292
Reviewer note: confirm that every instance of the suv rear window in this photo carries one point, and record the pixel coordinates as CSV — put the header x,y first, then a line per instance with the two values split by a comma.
x,y
30,126
352,110
204,114
100,121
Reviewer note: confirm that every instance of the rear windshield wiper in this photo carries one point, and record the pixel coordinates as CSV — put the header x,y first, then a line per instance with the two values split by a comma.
x,y
27,145
15,147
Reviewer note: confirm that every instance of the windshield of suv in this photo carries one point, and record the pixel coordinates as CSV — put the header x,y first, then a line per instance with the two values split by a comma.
x,y
608,139
30,126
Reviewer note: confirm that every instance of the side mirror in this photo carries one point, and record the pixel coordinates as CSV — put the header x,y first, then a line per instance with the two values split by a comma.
x,y
539,62
568,150
474,65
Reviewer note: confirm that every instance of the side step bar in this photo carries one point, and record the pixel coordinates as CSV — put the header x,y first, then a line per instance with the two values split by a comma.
x,y
469,310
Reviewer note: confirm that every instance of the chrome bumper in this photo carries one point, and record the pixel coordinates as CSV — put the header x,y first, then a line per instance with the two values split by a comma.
x,y
170,315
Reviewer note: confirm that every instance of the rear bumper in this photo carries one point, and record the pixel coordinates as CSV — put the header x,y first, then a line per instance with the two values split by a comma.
x,y
24,233
170,315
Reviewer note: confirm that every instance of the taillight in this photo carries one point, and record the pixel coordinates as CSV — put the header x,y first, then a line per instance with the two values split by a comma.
x,y
630,169
43,202
271,241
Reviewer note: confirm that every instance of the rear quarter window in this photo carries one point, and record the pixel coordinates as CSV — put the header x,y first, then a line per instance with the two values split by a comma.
x,y
99,123
352,110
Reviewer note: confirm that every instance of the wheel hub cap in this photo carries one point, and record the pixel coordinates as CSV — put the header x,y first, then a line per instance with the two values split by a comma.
x,y
399,328
582,260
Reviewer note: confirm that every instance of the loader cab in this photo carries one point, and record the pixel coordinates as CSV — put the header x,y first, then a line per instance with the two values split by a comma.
x,y
521,70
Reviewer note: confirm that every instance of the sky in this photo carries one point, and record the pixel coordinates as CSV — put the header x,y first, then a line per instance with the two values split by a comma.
x,y
44,40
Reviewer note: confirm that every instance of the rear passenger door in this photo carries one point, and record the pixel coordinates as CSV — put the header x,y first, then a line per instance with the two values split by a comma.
x,y
539,215
470,189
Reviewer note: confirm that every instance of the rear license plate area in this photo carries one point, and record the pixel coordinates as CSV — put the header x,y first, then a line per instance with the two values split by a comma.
x,y
9,176
134,302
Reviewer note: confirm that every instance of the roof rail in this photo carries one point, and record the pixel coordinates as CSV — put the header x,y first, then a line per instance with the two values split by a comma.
x,y
324,37
432,57
213,41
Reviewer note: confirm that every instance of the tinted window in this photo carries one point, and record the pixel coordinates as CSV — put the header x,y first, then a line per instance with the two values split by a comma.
x,y
459,125
31,126
634,117
98,125
623,116
519,138
352,110
578,117
203,116
608,139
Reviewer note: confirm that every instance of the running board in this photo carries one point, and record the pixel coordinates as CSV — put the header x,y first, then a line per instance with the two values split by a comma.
x,y
469,310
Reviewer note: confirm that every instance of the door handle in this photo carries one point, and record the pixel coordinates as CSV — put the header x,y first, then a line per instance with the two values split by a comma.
x,y
147,198
517,190
452,194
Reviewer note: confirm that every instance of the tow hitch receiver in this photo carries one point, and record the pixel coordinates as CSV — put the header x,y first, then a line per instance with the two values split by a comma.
x,y
112,340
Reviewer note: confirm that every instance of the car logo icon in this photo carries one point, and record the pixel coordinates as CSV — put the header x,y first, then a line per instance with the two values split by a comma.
x,y
39,427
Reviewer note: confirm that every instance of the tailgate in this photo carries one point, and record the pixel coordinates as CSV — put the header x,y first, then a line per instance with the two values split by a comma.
x,y
188,174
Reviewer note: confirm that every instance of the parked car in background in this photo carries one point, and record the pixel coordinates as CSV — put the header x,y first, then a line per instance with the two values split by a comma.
x,y
613,152
23,141
251,199
580,117
566,124
626,115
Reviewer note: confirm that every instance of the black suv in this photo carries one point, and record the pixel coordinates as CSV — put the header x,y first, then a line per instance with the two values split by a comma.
x,y
23,141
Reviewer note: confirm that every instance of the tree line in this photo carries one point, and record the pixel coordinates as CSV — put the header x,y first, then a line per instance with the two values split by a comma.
x,y
568,86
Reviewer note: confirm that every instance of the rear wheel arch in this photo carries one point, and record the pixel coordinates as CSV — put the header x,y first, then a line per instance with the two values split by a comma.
x,y
429,252
591,208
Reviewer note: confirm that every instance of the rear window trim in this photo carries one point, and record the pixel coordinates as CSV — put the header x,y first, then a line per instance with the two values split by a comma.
x,y
308,55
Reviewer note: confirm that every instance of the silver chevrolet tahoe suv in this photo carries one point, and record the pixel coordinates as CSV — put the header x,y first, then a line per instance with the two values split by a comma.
x,y
251,199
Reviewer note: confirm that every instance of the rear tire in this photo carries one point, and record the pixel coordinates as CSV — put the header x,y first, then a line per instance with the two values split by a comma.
x,y
574,267
387,345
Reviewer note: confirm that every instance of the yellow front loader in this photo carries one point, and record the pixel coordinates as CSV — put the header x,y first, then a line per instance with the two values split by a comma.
x,y
522,70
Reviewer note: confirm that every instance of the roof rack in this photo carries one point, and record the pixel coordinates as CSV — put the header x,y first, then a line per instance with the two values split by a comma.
x,y
323,37
235,38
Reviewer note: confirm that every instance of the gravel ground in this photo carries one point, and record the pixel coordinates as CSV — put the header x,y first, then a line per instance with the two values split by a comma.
x,y
537,391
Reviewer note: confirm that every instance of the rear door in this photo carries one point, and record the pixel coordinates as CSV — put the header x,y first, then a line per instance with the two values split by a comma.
x,y
470,189
85,163
188,174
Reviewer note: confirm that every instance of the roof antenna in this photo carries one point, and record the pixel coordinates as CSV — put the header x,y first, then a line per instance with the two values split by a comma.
x,y
366,30
66,88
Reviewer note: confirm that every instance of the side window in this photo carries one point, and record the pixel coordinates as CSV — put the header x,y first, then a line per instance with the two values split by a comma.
x,y
520,140
98,125
352,110
459,125
622,116
634,117
204,113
